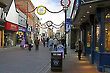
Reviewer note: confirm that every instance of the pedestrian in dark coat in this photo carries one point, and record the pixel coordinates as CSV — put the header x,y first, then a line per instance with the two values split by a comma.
x,y
36,43
30,43
43,41
80,49
47,41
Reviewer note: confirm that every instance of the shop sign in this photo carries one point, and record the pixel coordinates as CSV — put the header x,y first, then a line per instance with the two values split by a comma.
x,y
11,26
22,29
76,6
68,24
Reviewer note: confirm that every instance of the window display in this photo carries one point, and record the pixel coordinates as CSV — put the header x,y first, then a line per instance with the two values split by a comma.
x,y
107,32
88,39
97,37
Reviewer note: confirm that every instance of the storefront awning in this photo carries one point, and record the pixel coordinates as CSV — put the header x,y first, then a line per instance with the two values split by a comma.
x,y
86,9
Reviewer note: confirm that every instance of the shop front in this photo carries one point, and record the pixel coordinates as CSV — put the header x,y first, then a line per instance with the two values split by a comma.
x,y
97,39
2,32
10,34
20,34
104,56
101,51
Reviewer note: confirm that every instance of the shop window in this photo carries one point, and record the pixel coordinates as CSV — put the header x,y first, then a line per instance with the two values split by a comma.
x,y
97,37
88,39
107,32
107,38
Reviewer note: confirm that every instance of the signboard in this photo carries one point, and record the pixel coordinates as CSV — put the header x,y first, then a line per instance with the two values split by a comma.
x,y
22,29
76,6
68,24
11,26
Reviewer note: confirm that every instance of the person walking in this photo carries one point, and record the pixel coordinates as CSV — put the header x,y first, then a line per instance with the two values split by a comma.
x,y
47,41
43,41
50,44
63,41
80,49
36,43
55,43
29,43
60,48
22,44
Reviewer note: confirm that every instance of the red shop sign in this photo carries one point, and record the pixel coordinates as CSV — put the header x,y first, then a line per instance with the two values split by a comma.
x,y
11,26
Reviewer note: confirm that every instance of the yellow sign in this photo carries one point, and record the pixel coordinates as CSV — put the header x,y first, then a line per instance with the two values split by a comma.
x,y
41,10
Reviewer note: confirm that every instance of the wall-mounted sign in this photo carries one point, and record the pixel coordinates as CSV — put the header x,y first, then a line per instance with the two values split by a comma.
x,y
11,26
76,6
65,3
68,24
41,10
22,29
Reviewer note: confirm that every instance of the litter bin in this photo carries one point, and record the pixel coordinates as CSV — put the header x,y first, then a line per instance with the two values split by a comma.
x,y
56,61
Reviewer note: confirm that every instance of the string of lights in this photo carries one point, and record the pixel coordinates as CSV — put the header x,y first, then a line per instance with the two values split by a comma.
x,y
54,12
46,9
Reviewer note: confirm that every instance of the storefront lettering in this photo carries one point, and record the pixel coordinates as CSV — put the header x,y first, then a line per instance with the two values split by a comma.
x,y
13,27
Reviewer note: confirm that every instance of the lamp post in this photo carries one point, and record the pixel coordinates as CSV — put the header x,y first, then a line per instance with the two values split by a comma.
x,y
65,51
65,8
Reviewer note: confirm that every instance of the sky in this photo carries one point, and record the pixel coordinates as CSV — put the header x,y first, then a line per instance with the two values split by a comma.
x,y
52,5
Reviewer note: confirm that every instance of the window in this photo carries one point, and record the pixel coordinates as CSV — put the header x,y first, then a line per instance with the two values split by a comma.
x,y
107,32
88,39
97,37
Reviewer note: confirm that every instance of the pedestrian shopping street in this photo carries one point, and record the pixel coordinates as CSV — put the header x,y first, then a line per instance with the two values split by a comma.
x,y
17,60
54,36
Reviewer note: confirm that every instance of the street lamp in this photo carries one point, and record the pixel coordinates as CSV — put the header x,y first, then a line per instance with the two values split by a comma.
x,y
65,7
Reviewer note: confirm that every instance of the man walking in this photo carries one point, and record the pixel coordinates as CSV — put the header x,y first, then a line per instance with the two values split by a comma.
x,y
30,43
36,43
80,49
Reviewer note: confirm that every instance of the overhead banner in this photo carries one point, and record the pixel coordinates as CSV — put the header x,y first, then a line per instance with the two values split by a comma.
x,y
68,24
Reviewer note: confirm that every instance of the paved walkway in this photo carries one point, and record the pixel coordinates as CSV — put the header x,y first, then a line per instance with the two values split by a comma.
x,y
71,64
23,61
18,60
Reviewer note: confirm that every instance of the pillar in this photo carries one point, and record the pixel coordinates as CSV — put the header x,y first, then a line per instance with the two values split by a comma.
x,y
100,16
92,37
